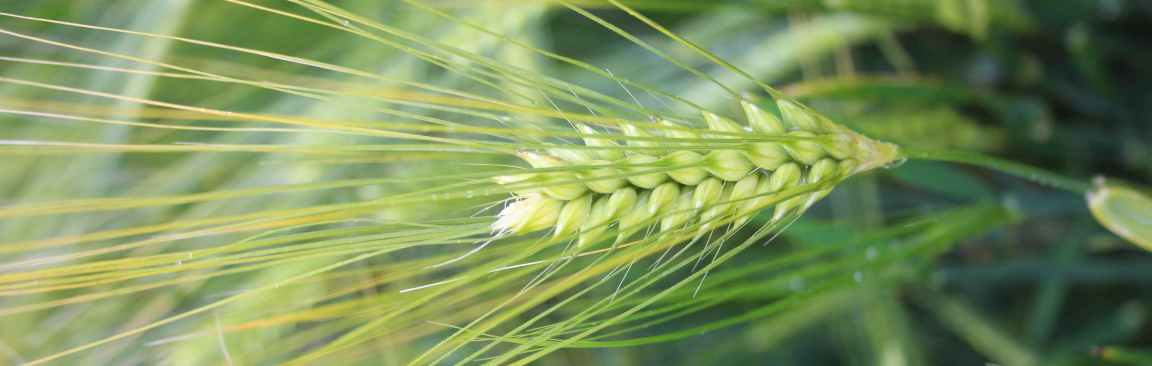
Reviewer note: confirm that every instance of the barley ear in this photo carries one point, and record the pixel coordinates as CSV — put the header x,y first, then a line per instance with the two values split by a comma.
x,y
631,185
1123,209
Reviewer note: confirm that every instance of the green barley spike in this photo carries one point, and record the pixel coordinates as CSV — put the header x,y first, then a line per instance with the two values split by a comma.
x,y
737,174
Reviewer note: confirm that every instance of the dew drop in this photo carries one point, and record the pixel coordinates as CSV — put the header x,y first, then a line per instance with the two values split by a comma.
x,y
859,277
797,284
178,263
468,193
345,22
872,253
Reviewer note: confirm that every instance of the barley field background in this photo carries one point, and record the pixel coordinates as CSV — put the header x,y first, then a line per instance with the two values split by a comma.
x,y
575,182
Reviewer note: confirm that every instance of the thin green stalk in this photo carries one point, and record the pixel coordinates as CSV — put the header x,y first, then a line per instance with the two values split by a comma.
x,y
1041,176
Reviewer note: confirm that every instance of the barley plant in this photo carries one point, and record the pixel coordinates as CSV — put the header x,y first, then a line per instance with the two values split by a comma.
x,y
575,182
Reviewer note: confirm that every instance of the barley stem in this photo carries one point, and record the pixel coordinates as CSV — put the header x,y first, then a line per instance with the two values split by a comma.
x,y
1041,176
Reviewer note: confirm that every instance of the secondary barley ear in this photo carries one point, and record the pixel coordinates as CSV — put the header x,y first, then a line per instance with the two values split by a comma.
x,y
1123,209
673,175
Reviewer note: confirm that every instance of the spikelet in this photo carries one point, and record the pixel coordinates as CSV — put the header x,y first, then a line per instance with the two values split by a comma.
x,y
737,176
